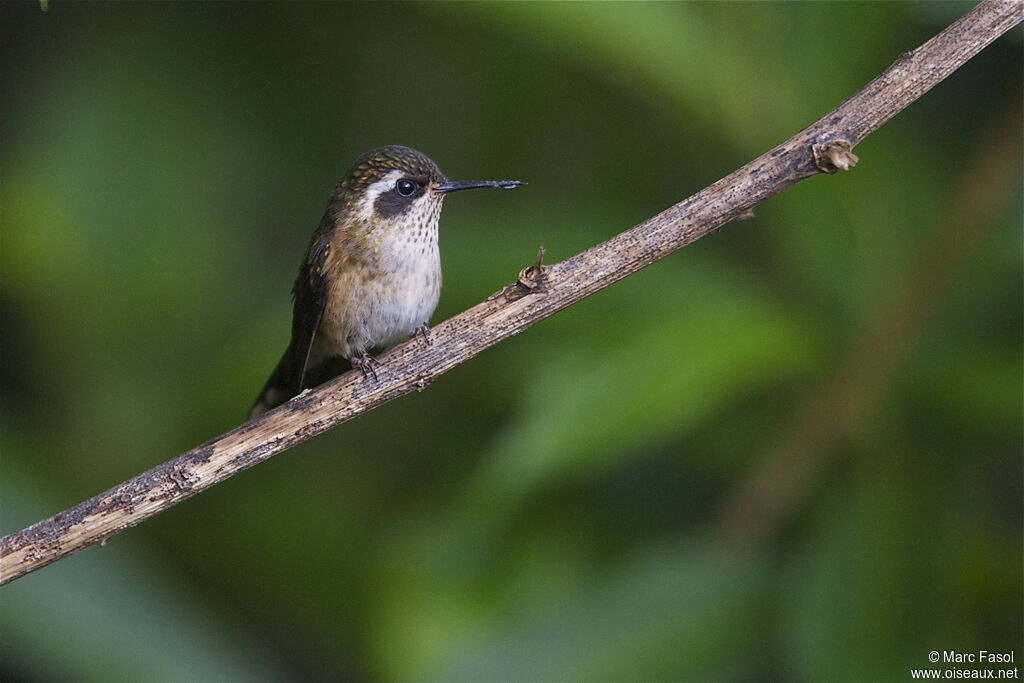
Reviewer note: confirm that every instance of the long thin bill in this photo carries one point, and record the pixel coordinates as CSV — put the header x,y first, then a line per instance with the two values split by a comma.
x,y
456,185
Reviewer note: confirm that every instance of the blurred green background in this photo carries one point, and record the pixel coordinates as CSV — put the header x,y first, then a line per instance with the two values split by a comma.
x,y
789,451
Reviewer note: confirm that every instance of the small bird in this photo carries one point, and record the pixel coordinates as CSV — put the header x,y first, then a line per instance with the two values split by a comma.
x,y
371,273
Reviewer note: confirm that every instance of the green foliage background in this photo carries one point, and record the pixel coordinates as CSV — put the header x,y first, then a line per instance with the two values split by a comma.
x,y
552,510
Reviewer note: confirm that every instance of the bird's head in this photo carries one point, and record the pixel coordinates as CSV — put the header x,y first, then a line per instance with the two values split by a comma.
x,y
399,184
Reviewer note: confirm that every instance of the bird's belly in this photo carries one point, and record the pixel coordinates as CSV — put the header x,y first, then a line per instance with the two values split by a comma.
x,y
369,309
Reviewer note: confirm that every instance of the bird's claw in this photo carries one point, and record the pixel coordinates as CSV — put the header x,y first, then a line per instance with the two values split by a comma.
x,y
422,331
366,364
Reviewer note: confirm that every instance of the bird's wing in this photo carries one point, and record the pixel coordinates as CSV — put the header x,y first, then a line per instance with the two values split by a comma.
x,y
310,294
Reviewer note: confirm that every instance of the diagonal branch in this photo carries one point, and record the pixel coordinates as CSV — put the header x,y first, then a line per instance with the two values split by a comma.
x,y
823,147
762,501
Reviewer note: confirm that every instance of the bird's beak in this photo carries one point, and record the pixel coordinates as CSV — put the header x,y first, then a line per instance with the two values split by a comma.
x,y
456,185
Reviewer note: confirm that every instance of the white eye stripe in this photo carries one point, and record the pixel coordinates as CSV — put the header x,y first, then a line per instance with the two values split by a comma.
x,y
385,184
376,189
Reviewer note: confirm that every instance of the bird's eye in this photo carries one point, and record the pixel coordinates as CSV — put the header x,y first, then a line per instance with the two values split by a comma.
x,y
405,187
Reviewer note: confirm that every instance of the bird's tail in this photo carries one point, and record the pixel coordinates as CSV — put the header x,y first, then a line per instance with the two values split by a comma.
x,y
279,388
287,380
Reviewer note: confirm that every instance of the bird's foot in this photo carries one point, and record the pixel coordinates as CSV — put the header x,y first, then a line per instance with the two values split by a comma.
x,y
366,364
422,331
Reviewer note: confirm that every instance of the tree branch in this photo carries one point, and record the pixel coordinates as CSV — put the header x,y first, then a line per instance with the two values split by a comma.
x,y
823,147
760,503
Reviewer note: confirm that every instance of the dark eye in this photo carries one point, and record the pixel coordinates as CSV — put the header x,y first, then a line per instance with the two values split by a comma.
x,y
405,187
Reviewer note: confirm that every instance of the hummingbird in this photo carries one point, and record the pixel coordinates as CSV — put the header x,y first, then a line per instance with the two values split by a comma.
x,y
371,273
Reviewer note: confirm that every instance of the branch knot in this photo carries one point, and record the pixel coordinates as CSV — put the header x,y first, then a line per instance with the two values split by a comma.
x,y
531,276
834,155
